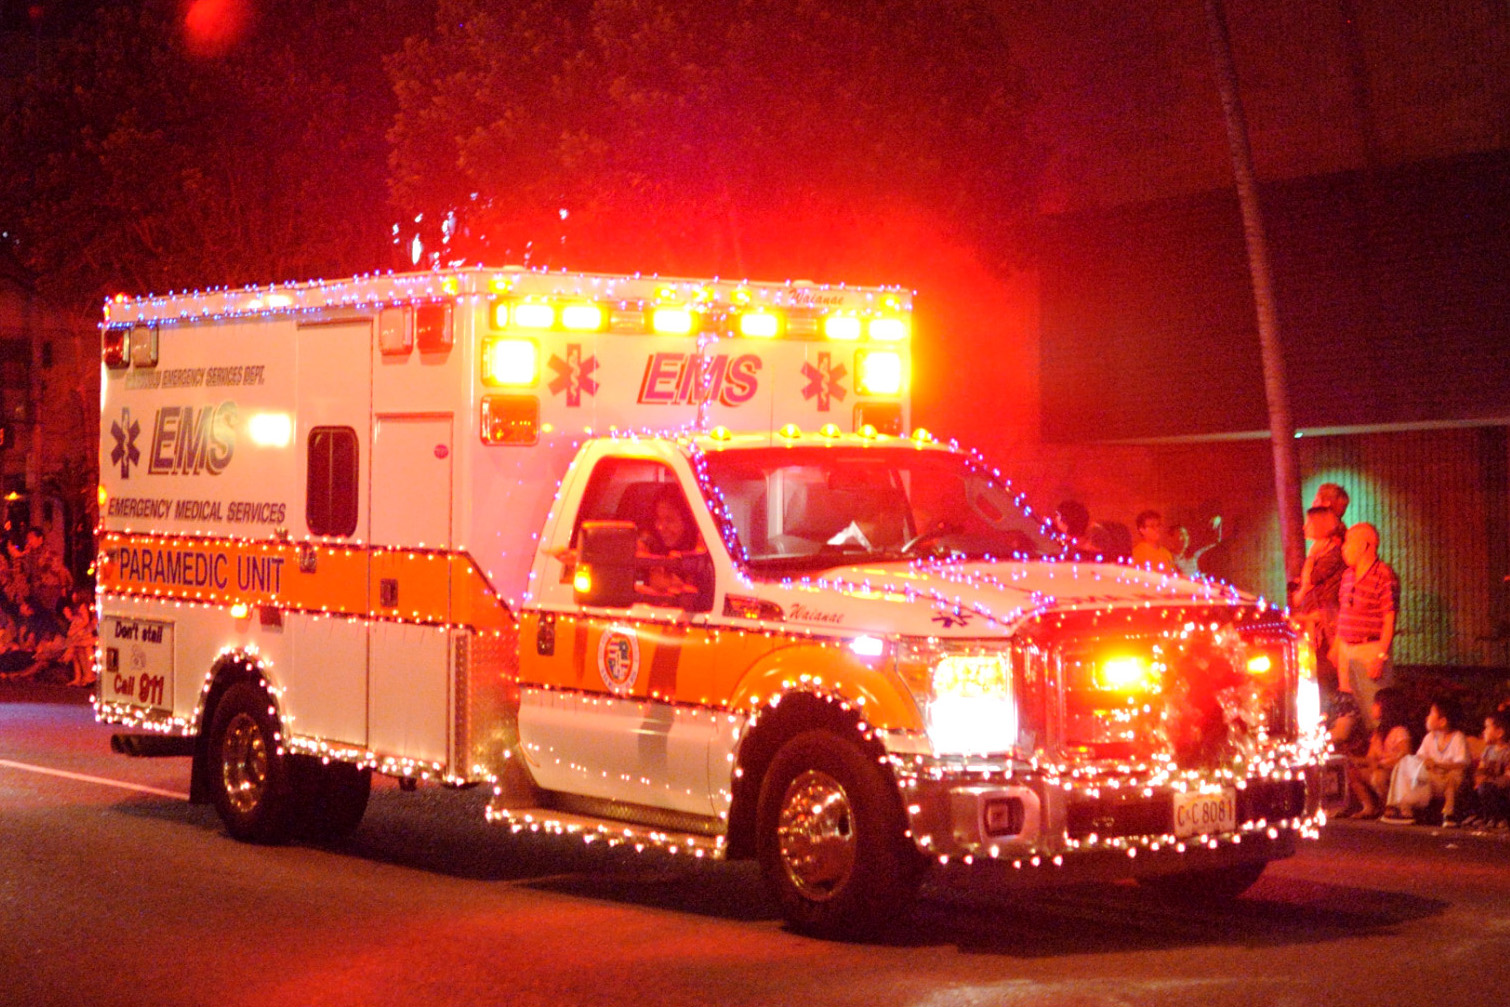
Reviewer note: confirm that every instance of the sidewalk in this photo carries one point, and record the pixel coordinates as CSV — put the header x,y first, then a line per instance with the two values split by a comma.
x,y
45,692
1435,831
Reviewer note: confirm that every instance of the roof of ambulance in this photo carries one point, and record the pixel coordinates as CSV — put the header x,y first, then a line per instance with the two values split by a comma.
x,y
386,288
790,437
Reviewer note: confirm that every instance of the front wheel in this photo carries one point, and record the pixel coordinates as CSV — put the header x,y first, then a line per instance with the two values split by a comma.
x,y
249,777
1219,883
831,838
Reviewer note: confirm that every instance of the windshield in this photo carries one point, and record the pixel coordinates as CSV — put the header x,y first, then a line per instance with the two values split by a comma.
x,y
808,508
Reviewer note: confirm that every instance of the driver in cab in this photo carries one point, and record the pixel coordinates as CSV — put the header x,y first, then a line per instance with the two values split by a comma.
x,y
668,532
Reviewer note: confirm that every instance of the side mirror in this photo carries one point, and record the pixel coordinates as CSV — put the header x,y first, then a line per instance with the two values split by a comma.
x,y
605,564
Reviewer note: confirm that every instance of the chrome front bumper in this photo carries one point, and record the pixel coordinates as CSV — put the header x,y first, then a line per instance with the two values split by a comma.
x,y
981,815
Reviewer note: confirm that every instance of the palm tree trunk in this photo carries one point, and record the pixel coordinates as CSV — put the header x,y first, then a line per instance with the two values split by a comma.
x,y
1281,427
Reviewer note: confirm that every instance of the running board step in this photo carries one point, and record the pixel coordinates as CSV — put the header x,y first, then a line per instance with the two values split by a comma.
x,y
151,746
610,831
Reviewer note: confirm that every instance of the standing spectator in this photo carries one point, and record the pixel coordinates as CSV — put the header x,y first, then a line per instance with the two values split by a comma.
x,y
51,581
1316,599
1072,521
1334,498
1491,778
1179,545
79,641
1110,540
37,573
1218,559
1368,600
1149,549
1438,769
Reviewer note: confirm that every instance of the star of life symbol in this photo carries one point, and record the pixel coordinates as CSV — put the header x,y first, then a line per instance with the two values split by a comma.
x,y
949,619
573,375
824,381
125,453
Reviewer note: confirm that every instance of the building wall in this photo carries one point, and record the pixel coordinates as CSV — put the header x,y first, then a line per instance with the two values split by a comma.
x,y
1393,293
1440,499
52,441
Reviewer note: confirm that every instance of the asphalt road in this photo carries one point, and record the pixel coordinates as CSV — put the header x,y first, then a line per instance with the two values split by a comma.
x,y
114,890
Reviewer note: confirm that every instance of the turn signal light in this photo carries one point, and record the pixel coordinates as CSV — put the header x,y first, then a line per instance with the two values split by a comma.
x,y
114,348
582,317
846,327
513,362
880,372
672,321
534,316
759,325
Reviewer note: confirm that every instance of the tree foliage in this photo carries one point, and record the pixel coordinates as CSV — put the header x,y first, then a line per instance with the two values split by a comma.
x,y
681,137
133,164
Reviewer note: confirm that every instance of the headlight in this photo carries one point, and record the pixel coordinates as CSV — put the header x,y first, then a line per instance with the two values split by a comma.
x,y
1127,673
966,697
1307,688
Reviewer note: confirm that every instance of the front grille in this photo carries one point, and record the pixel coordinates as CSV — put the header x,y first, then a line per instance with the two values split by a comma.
x,y
1120,816
1135,815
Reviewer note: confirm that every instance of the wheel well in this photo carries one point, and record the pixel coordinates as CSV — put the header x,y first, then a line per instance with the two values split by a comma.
x,y
794,713
229,671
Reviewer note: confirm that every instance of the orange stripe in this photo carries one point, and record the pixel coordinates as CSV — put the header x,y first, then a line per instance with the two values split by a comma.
x,y
432,586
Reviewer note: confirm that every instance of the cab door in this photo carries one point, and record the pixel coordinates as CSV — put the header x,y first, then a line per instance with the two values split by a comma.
x,y
605,710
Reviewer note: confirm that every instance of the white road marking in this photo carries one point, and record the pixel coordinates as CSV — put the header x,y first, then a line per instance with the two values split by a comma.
x,y
92,779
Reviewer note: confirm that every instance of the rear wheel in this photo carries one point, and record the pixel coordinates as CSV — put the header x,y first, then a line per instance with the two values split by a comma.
x,y
831,838
1220,883
250,782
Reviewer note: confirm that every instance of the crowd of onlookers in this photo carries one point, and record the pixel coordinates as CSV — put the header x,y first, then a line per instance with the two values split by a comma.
x,y
47,628
1346,601
1148,544
1464,779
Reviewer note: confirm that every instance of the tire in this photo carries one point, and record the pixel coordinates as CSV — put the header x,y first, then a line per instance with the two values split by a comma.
x,y
1218,884
331,798
849,870
249,780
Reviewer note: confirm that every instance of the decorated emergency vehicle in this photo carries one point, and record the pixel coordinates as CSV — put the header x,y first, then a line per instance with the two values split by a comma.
x,y
663,563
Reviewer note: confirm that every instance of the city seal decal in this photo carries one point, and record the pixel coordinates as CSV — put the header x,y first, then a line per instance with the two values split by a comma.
x,y
619,659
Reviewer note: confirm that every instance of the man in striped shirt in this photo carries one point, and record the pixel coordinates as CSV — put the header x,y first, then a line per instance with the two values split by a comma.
x,y
1369,599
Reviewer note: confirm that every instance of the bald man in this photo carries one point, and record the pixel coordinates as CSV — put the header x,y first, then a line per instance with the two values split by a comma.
x,y
1369,600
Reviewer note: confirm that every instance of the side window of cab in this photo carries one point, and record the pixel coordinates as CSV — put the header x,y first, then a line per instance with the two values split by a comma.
x,y
672,566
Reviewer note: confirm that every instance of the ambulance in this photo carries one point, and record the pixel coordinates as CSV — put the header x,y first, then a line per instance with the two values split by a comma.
x,y
662,563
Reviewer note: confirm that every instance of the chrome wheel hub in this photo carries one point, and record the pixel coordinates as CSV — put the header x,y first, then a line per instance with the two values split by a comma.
x,y
816,835
243,763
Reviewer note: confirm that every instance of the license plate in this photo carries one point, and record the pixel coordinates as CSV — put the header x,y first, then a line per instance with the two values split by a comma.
x,y
1205,814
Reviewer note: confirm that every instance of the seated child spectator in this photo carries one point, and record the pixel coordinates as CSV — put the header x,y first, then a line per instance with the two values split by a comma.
x,y
1491,778
18,652
1369,774
1438,769
1149,549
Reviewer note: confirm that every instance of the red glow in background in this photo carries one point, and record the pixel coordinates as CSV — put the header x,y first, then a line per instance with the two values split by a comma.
x,y
213,26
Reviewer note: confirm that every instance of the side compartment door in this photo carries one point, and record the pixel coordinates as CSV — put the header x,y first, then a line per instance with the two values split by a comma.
x,y
599,711
327,678
409,677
